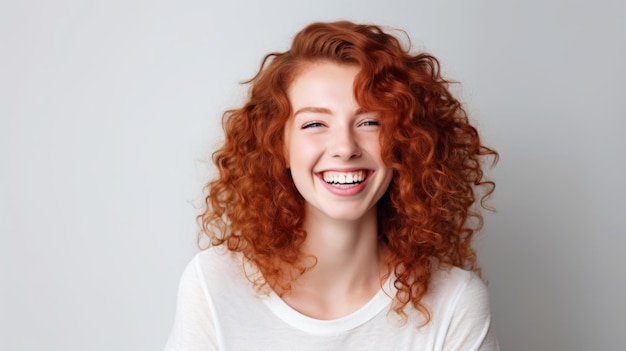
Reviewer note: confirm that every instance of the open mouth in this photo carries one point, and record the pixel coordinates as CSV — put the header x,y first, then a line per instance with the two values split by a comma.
x,y
344,179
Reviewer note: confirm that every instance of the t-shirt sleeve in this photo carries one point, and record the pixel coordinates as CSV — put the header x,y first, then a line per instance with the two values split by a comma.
x,y
194,328
470,327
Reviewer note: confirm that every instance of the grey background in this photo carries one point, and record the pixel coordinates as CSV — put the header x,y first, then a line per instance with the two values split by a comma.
x,y
109,111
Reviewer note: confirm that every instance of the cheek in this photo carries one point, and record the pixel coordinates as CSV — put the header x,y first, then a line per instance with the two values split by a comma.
x,y
299,153
372,144
303,154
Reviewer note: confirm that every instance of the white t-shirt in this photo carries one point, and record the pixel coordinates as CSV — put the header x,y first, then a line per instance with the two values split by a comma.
x,y
219,309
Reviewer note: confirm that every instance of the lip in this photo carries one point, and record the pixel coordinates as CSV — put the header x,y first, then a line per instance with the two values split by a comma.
x,y
351,191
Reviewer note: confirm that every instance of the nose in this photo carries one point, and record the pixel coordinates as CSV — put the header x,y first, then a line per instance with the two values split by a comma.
x,y
344,145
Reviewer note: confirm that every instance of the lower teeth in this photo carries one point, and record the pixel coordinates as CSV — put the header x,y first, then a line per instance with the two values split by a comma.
x,y
344,186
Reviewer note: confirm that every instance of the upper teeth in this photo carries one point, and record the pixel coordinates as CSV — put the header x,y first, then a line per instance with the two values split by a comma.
x,y
344,178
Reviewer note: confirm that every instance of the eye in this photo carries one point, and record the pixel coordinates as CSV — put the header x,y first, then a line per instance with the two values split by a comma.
x,y
370,122
312,125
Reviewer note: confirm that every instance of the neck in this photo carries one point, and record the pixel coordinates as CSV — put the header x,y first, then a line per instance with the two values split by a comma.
x,y
349,269
348,253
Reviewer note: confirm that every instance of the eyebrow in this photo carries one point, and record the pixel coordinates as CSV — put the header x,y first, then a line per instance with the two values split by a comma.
x,y
312,110
322,110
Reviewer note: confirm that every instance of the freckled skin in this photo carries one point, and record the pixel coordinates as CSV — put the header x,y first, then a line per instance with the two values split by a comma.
x,y
330,133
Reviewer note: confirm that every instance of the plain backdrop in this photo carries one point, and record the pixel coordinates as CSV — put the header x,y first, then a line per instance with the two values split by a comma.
x,y
110,110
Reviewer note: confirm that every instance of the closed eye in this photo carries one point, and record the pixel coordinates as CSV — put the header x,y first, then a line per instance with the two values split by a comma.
x,y
369,123
312,125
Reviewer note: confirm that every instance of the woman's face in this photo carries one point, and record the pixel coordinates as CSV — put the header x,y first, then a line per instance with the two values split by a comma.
x,y
332,145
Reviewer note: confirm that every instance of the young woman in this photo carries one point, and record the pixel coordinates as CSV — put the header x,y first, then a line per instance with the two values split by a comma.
x,y
342,215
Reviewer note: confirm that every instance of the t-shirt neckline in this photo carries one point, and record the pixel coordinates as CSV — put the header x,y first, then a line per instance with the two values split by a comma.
x,y
380,302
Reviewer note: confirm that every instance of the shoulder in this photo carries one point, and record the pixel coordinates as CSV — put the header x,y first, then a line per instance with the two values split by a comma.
x,y
459,303
214,256
211,284
215,267
454,282
203,271
210,260
194,324
455,291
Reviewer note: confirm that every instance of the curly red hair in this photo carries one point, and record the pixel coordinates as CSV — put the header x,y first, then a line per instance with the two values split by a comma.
x,y
427,214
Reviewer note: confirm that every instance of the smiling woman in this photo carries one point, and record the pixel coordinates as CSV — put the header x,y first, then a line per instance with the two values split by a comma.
x,y
342,215
330,140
